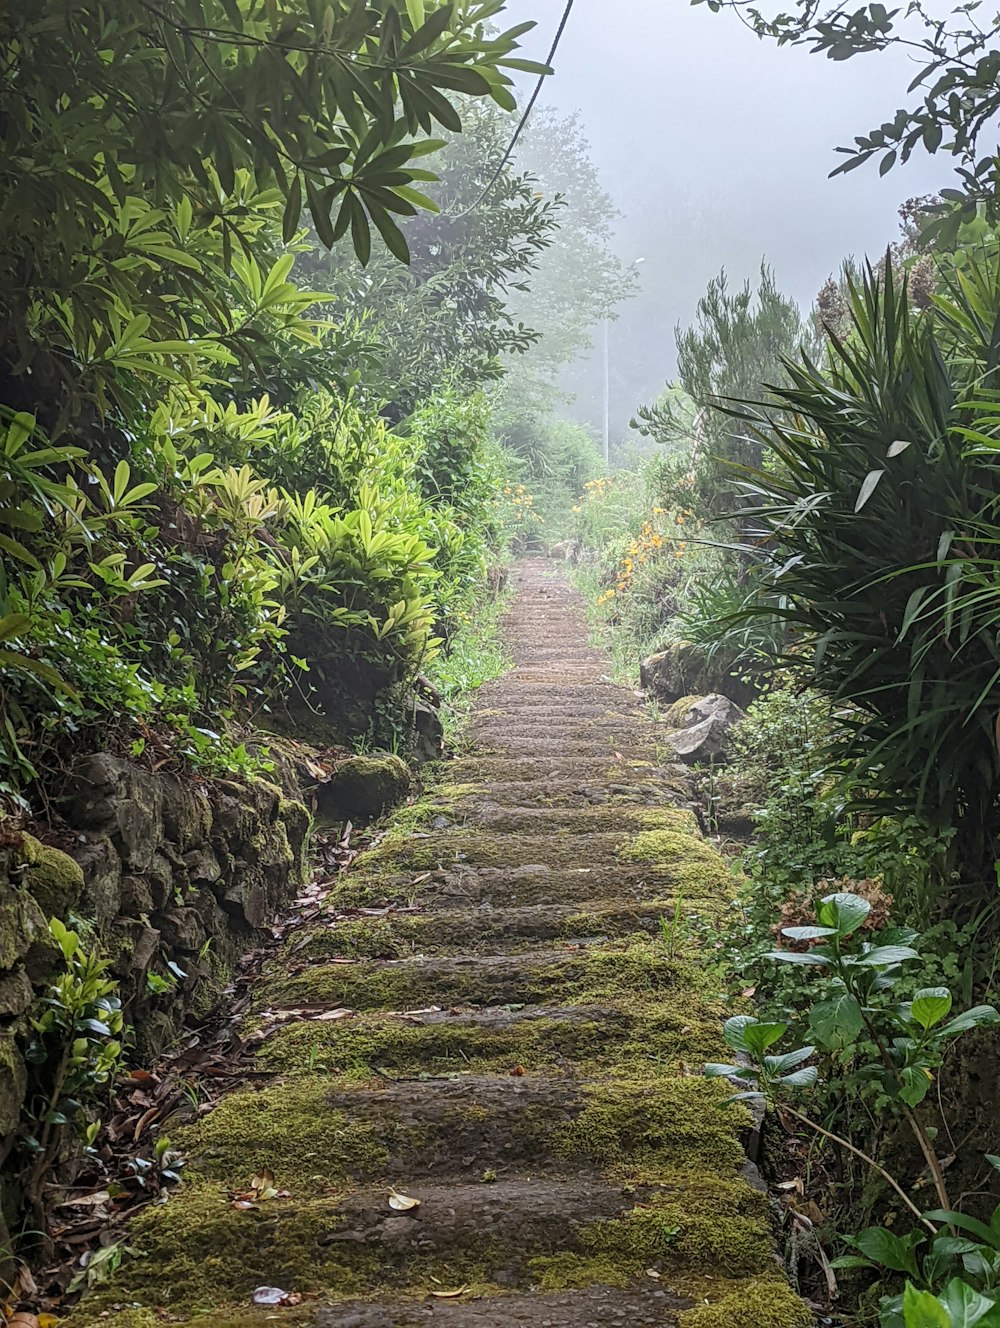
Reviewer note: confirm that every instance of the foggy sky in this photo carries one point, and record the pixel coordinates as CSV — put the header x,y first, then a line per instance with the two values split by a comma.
x,y
716,147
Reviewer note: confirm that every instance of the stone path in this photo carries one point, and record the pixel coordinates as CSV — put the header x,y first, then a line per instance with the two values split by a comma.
x,y
493,1023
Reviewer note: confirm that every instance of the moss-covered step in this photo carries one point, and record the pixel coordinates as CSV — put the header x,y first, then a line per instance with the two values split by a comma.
x,y
587,819
641,967
701,876
476,847
614,767
627,1038
589,747
581,791
594,730
314,1133
201,1250
398,934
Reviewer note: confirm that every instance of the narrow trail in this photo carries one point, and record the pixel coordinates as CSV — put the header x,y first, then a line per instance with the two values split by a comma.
x,y
492,1022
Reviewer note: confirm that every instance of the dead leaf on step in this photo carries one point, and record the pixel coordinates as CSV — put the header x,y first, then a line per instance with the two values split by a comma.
x,y
450,1295
262,1188
24,1285
518,1070
651,1272
266,1295
402,1203
92,1200
341,1012
22,1319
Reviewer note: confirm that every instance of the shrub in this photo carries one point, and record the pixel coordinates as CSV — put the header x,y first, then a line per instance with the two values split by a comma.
x,y
874,523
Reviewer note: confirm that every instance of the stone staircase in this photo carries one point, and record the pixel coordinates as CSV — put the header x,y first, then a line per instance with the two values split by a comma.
x,y
484,1097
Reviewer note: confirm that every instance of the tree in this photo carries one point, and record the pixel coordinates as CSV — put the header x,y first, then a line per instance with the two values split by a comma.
x,y
144,148
447,314
735,346
578,283
580,280
957,87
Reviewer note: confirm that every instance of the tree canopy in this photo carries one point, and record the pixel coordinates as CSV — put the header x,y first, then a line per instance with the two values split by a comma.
x,y
954,92
147,151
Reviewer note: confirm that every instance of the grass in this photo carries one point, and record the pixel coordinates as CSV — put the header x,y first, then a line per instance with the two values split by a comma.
x,y
476,655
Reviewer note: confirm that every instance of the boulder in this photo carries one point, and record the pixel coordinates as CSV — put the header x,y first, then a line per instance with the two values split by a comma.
x,y
363,786
705,725
13,1083
24,932
52,877
681,670
428,731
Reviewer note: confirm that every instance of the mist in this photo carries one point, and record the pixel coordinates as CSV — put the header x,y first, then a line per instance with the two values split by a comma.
x,y
716,148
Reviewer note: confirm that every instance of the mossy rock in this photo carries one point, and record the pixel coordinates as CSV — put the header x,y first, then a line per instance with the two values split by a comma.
x,y
364,786
760,1302
24,933
288,1128
676,713
54,879
697,1218
13,1084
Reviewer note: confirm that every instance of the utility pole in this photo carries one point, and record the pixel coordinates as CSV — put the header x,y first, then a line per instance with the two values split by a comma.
x,y
607,400
607,382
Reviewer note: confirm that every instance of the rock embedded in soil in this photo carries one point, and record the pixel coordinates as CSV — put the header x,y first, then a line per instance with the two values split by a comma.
x,y
514,1042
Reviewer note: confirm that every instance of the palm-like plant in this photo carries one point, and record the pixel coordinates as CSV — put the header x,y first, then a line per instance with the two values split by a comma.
x,y
875,521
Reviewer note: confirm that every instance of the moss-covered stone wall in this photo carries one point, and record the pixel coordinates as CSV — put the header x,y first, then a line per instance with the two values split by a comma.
x,y
152,870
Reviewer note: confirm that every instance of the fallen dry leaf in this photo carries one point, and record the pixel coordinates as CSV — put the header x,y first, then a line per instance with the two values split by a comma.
x,y
93,1200
450,1295
265,1295
518,1070
402,1203
22,1319
24,1284
341,1012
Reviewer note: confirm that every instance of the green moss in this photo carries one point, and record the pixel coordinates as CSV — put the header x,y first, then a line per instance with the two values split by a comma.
x,y
473,930
764,1302
23,928
368,785
696,868
674,714
289,1128
561,1272
358,938
656,1124
54,878
478,848
199,1252
698,1218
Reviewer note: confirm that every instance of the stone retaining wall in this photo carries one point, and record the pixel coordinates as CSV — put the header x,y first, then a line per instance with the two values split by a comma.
x,y
164,870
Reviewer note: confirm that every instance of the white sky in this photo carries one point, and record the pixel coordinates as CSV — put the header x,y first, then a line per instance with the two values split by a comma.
x,y
717,147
